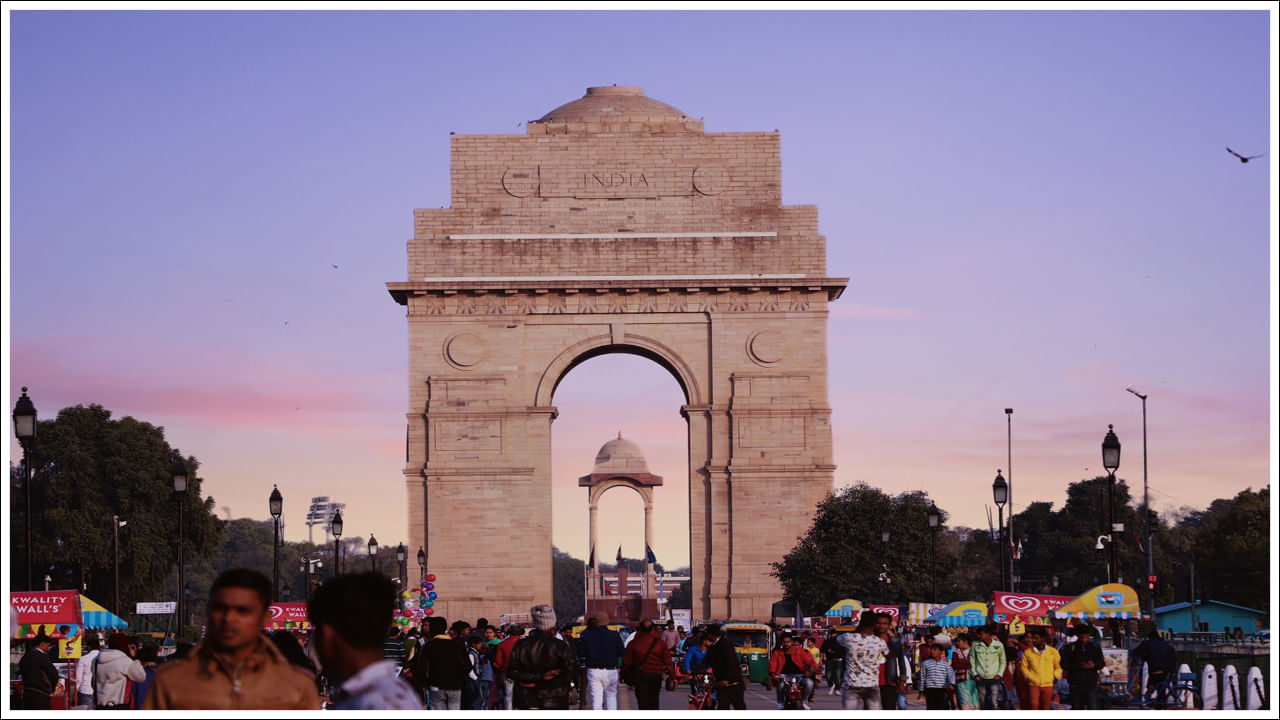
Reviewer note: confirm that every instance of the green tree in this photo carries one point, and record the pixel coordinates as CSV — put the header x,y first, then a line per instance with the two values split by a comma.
x,y
843,553
568,585
86,468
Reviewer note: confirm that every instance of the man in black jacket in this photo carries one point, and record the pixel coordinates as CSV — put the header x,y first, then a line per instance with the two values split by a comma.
x,y
1082,661
722,659
542,665
39,678
441,665
1160,657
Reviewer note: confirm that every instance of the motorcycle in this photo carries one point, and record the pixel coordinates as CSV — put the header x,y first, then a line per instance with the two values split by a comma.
x,y
702,692
670,681
792,692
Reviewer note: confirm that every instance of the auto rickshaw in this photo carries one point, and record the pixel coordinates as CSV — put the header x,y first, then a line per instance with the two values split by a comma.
x,y
753,641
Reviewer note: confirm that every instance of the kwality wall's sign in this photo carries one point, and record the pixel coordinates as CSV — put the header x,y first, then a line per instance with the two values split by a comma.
x,y
287,615
157,608
46,608
1029,608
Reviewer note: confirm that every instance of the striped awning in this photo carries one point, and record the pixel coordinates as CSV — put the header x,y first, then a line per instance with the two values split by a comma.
x,y
1112,600
97,617
960,614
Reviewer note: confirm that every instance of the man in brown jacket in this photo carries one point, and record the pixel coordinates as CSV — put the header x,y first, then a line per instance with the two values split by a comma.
x,y
235,667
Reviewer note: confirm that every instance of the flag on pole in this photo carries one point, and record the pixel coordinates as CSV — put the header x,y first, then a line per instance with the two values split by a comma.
x,y
648,555
618,559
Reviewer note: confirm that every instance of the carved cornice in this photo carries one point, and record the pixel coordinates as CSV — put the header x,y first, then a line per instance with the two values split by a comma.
x,y
614,296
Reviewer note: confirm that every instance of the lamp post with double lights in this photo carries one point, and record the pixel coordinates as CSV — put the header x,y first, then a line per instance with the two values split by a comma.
x,y
1000,493
335,526
24,426
1111,461
179,472
276,504
935,519
373,553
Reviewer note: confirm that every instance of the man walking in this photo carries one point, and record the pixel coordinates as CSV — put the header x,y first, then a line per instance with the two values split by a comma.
x,y
1081,661
1041,667
650,655
895,670
988,660
349,614
443,664
501,658
601,652
722,660
833,663
235,667
862,657
542,665
39,678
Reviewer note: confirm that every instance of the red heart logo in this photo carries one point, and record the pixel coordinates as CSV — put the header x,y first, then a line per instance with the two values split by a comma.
x,y
1019,603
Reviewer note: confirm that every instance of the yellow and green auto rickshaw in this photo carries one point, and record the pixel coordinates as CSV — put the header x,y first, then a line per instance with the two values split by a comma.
x,y
752,640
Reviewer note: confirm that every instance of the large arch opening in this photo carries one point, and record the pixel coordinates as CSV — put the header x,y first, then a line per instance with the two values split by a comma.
x,y
601,392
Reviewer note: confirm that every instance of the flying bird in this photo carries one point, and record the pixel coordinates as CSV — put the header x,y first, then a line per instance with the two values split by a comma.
x,y
1243,158
335,267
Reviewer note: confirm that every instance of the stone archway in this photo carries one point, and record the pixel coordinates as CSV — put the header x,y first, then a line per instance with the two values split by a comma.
x,y
616,224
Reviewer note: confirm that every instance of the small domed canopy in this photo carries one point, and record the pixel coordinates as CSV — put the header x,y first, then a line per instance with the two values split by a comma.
x,y
620,458
614,109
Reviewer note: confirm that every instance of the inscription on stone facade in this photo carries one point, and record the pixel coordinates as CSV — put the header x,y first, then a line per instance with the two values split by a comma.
x,y
771,432
468,435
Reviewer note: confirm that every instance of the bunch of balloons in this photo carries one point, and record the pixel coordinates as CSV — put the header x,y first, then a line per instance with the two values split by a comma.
x,y
418,603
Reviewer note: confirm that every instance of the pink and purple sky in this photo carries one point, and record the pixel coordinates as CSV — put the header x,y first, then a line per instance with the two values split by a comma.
x,y
1035,210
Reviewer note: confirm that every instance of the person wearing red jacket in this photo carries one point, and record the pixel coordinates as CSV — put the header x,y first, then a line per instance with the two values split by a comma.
x,y
647,652
501,657
790,659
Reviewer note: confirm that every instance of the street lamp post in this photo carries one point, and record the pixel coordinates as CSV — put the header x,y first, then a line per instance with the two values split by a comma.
x,y
1000,492
884,566
308,569
422,565
401,555
116,524
1013,557
373,553
335,526
179,471
287,593
24,426
1146,508
276,505
186,603
935,518
1111,461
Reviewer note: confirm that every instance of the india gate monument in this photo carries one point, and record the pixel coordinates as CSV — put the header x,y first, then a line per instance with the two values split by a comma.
x,y
614,224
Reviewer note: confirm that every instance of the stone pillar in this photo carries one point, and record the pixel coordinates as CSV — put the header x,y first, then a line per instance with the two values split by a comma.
x,y
593,588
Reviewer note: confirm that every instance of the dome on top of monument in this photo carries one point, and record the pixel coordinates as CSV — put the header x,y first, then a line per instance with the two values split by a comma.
x,y
620,456
616,108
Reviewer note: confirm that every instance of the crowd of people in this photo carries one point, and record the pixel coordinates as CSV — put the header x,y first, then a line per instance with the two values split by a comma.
x,y
354,658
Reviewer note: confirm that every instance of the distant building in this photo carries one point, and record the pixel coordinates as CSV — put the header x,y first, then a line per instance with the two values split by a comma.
x,y
1211,616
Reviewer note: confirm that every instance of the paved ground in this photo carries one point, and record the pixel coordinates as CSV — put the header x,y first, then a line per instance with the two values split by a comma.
x,y
758,698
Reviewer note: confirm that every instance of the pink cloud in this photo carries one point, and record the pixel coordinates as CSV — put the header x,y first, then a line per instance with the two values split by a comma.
x,y
221,397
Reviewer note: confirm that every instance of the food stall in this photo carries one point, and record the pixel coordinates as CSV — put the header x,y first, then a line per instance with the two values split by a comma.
x,y
1112,601
56,614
